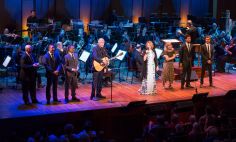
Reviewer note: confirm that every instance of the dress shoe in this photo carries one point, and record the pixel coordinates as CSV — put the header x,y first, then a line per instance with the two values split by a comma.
x,y
101,97
36,102
75,99
48,102
56,101
96,99
189,86
182,87
91,97
27,103
211,85
66,101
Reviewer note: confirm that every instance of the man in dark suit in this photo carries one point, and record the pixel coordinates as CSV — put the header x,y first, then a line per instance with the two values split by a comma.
x,y
52,64
137,60
71,73
28,75
207,60
185,54
99,52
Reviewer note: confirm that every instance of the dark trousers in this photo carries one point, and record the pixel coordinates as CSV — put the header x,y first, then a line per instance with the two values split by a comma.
x,y
187,67
51,81
97,83
29,87
70,82
207,67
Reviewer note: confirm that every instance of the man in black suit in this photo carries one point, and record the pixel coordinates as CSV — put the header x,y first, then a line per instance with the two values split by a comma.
x,y
71,73
137,60
99,52
185,54
207,60
52,64
28,75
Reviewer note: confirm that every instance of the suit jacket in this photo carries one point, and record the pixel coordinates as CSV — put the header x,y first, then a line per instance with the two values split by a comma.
x,y
205,55
137,60
185,56
50,64
70,63
27,72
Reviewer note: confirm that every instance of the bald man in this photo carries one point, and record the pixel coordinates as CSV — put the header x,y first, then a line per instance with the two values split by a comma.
x,y
28,75
98,53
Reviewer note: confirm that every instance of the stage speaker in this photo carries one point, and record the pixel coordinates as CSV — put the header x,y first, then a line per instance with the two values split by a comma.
x,y
200,97
231,94
136,103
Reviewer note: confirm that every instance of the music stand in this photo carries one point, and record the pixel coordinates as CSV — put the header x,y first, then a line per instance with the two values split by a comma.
x,y
158,52
84,57
6,61
122,56
114,48
5,65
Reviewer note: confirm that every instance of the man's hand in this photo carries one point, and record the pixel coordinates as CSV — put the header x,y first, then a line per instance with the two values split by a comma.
x,y
157,68
35,64
105,62
74,70
55,72
209,61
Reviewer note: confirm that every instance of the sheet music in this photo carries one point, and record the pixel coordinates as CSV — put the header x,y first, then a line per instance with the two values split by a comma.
x,y
122,56
6,61
114,48
84,56
171,40
158,52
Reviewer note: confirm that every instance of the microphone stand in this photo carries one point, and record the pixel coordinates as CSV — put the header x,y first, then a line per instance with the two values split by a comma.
x,y
111,101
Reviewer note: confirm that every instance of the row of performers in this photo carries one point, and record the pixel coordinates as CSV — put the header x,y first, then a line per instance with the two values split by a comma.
x,y
146,64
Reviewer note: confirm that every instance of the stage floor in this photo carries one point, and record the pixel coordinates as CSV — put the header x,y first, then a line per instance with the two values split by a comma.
x,y
11,104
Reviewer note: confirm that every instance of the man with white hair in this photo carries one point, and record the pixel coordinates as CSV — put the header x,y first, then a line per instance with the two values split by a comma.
x,y
98,54
28,75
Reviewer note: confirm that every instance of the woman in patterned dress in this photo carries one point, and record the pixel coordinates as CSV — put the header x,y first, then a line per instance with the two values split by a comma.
x,y
148,86
168,65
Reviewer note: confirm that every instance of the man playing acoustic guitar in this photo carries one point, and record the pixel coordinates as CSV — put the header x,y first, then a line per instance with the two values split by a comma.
x,y
99,55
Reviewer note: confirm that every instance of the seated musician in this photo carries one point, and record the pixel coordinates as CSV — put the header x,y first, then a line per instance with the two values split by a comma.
x,y
230,55
32,18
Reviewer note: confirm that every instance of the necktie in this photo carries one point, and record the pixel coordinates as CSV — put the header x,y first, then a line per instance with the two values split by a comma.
x,y
188,46
72,55
52,56
209,51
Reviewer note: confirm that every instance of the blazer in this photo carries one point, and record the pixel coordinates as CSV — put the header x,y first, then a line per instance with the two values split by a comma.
x,y
186,56
205,54
70,63
28,72
50,64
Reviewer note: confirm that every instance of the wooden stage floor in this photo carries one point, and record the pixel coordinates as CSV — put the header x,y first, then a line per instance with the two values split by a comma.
x,y
11,104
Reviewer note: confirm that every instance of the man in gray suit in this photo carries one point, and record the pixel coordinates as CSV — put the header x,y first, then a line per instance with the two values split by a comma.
x,y
71,72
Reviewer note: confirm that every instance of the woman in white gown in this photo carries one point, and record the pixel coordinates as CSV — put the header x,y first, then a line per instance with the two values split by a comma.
x,y
150,67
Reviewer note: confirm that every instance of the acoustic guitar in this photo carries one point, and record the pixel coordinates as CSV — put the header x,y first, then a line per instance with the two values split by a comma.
x,y
101,66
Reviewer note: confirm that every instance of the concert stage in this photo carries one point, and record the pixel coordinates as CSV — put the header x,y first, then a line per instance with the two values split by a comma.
x,y
11,104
